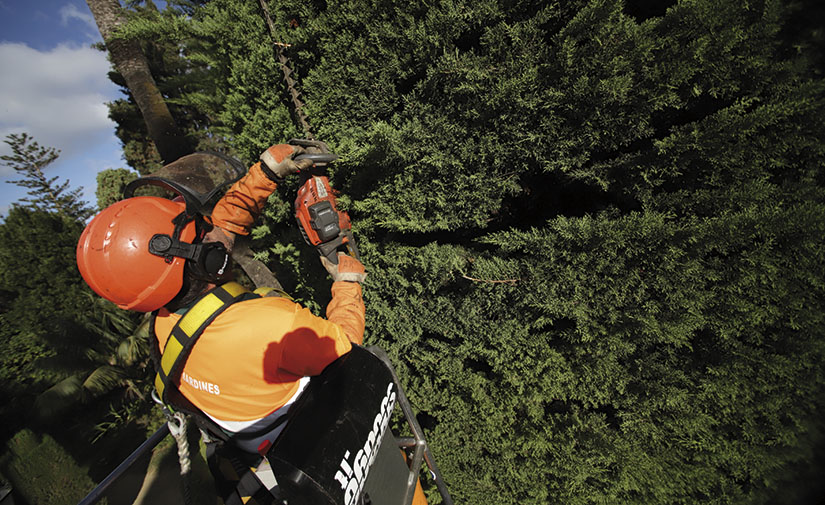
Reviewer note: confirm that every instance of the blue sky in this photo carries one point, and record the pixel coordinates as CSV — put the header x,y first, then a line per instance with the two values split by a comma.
x,y
53,85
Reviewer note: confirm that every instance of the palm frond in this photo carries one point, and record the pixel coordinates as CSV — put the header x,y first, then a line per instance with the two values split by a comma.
x,y
135,347
59,397
103,379
107,321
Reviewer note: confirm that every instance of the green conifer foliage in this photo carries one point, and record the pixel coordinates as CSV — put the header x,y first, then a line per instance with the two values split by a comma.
x,y
29,159
594,241
110,185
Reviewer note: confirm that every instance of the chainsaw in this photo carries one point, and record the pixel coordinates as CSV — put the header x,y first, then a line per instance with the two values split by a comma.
x,y
323,226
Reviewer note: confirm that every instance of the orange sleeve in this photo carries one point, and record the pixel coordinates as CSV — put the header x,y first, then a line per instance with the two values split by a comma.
x,y
346,309
244,201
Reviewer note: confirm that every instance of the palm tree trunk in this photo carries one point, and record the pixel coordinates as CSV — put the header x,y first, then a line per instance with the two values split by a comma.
x,y
132,64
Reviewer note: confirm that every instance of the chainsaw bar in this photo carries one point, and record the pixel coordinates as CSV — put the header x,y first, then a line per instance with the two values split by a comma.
x,y
299,116
322,225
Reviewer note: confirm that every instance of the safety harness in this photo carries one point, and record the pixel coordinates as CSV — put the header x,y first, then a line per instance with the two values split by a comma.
x,y
242,475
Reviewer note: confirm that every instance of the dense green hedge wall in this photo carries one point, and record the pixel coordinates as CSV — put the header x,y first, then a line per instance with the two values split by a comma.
x,y
593,229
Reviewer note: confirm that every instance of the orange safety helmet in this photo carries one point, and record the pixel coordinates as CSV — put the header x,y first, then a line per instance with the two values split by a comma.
x,y
114,256
135,251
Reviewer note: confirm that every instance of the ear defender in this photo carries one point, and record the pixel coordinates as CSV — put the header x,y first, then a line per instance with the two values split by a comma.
x,y
207,261
214,260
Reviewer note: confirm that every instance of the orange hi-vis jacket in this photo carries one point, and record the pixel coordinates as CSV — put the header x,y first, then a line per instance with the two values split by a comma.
x,y
251,359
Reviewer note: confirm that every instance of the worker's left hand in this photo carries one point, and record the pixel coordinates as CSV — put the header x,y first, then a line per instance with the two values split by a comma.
x,y
277,162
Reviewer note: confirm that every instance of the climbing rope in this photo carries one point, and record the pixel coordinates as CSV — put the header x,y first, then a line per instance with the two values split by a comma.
x,y
177,427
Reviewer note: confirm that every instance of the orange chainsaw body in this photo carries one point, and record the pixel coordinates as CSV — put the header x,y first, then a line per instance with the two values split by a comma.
x,y
322,224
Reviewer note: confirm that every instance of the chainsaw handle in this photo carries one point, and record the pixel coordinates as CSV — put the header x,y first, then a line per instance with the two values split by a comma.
x,y
344,242
317,157
321,146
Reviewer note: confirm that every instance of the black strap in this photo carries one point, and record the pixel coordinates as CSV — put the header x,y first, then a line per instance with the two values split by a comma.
x,y
235,480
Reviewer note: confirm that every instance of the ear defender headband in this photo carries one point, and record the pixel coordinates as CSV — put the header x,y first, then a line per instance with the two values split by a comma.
x,y
208,261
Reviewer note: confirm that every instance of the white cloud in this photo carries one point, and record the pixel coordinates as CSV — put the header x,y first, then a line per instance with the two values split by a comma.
x,y
70,12
57,96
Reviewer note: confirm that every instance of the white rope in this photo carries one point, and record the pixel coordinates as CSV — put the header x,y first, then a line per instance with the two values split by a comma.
x,y
177,427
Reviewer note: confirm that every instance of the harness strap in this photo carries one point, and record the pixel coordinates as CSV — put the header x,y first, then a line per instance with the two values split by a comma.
x,y
182,339
242,479
247,483
188,329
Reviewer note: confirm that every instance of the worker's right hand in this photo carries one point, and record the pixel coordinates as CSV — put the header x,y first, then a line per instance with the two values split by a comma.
x,y
277,162
348,268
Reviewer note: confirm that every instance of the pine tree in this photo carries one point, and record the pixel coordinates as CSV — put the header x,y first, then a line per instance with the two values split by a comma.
x,y
29,160
132,65
186,74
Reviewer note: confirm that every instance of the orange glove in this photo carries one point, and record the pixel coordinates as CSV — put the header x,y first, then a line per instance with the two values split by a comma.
x,y
277,162
348,269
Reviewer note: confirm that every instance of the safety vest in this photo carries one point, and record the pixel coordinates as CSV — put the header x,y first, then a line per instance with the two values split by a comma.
x,y
182,339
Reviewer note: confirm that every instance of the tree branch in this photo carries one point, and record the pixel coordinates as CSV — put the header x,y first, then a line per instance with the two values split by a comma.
x,y
492,281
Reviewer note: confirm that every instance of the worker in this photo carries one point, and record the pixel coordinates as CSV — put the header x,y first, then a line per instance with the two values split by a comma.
x,y
253,360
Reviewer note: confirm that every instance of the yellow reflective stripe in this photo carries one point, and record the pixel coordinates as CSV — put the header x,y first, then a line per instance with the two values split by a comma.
x,y
265,291
170,354
159,385
193,319
233,288
207,306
